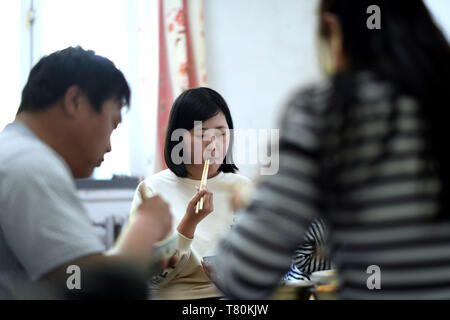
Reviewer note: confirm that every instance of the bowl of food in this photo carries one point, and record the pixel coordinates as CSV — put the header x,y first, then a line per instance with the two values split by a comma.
x,y
326,292
293,290
324,277
162,250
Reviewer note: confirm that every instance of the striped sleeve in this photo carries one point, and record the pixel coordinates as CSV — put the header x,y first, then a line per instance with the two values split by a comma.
x,y
311,255
295,274
253,257
386,199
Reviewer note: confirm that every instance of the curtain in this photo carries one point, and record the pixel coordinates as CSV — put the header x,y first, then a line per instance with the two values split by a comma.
x,y
182,63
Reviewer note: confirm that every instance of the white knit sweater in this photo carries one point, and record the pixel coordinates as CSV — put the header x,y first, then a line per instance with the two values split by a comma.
x,y
188,280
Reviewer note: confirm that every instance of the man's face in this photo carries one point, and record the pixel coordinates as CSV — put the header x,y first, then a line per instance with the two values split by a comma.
x,y
95,133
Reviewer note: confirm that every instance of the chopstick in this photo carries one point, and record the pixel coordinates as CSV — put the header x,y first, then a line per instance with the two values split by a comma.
x,y
205,178
202,184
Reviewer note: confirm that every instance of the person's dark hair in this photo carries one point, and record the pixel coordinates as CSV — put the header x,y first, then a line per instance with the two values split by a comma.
x,y
95,75
411,53
192,105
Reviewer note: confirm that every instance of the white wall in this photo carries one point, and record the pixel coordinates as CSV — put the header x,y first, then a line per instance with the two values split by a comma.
x,y
441,12
10,60
258,51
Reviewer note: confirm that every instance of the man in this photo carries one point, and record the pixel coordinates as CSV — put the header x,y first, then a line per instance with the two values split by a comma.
x,y
70,106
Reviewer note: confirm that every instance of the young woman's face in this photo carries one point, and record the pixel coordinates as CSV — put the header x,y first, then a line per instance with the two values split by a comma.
x,y
331,48
210,140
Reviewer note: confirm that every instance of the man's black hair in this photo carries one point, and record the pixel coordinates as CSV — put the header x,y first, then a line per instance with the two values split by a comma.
x,y
95,75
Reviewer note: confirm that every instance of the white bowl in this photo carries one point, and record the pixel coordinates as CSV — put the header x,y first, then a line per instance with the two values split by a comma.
x,y
324,277
165,248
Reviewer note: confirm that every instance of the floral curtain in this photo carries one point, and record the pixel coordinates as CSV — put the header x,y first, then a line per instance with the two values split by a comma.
x,y
182,63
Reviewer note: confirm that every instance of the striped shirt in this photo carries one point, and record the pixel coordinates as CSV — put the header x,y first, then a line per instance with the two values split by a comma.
x,y
311,255
358,162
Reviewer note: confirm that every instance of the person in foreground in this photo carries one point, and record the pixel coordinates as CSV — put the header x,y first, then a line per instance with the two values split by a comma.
x,y
70,105
366,151
210,139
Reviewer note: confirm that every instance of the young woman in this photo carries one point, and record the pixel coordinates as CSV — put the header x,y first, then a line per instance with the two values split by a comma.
x,y
199,129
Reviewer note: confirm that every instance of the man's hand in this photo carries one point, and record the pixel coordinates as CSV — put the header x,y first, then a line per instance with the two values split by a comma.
x,y
152,223
154,212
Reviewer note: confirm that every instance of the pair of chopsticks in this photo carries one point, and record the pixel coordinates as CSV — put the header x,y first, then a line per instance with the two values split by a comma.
x,y
202,185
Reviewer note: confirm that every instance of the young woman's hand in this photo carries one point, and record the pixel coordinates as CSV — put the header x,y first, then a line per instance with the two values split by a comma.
x,y
191,219
240,194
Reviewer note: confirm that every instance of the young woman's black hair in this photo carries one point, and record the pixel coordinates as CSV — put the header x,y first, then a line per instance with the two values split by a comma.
x,y
411,53
95,75
198,104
